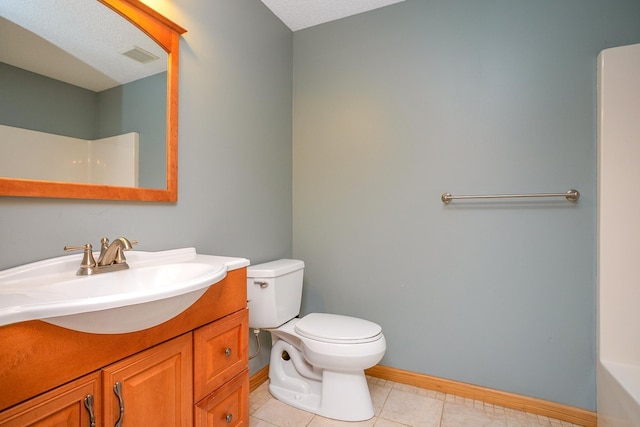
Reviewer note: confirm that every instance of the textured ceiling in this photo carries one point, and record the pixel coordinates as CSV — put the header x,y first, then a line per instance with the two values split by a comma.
x,y
81,42
299,14
75,41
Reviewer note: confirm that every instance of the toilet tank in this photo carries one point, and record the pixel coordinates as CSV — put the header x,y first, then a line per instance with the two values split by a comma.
x,y
274,292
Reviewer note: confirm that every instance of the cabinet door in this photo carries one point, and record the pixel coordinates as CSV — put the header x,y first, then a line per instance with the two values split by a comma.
x,y
61,407
228,406
220,352
155,387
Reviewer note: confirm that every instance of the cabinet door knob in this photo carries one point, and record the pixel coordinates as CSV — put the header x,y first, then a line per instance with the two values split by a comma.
x,y
227,352
228,418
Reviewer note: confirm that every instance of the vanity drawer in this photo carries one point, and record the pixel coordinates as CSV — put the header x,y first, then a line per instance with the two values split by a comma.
x,y
228,406
219,352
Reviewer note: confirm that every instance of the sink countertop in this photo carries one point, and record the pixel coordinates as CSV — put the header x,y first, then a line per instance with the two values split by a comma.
x,y
49,290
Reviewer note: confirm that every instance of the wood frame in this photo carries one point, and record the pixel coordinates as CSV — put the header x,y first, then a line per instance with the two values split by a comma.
x,y
166,34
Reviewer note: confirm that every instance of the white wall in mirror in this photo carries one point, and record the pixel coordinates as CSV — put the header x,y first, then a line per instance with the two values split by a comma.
x,y
44,156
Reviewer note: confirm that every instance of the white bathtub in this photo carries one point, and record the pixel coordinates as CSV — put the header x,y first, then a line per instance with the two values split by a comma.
x,y
618,395
618,369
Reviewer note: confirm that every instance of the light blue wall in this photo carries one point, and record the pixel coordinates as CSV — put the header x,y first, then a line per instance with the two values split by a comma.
x,y
139,106
234,161
31,101
397,106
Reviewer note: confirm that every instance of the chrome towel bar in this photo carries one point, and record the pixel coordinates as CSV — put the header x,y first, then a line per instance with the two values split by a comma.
x,y
571,196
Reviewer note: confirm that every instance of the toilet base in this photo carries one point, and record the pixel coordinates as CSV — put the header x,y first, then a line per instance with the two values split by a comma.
x,y
342,396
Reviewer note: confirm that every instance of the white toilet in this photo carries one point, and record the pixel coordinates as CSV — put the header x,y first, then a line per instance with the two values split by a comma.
x,y
317,362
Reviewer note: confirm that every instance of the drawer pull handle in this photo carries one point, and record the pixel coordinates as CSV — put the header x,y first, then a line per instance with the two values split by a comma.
x,y
88,404
228,418
117,389
227,352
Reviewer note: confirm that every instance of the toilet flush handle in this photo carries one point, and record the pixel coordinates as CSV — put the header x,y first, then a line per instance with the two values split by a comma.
x,y
262,283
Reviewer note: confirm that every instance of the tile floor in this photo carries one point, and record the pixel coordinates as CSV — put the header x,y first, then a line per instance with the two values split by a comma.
x,y
399,405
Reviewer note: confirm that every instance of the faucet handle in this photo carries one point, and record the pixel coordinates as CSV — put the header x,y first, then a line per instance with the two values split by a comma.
x,y
87,260
104,244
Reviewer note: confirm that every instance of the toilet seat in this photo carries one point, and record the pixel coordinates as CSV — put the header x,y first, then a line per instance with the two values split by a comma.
x,y
334,328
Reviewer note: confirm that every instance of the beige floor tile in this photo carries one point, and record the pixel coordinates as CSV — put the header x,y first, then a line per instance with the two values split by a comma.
x,y
498,410
386,423
259,397
461,415
544,421
523,419
397,405
282,415
412,409
511,422
410,389
379,395
326,422
254,422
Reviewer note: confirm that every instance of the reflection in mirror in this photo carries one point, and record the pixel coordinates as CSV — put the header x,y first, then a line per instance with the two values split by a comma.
x,y
107,118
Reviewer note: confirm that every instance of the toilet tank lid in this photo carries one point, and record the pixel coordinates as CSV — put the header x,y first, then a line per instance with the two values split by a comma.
x,y
275,268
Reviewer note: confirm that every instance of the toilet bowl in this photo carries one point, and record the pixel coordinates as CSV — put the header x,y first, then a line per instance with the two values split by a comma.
x,y
317,361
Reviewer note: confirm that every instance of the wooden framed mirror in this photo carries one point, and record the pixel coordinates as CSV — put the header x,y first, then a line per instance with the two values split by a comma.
x,y
167,35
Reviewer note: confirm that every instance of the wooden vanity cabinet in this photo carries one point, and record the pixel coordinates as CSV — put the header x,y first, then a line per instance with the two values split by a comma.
x,y
190,370
155,389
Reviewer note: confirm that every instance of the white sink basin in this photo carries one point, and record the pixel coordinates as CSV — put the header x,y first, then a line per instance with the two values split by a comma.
x,y
156,287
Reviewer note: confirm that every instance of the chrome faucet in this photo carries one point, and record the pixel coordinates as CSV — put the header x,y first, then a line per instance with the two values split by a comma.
x,y
111,256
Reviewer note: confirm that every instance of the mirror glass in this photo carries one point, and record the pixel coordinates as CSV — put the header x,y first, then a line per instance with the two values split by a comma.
x,y
89,100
